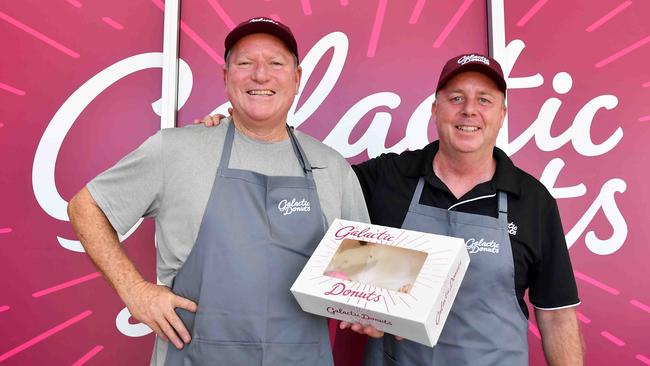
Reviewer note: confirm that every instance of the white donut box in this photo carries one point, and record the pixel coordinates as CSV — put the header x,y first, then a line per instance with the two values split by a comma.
x,y
415,308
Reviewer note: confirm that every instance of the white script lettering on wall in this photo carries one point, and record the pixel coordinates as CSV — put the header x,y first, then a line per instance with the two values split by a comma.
x,y
579,134
374,138
43,170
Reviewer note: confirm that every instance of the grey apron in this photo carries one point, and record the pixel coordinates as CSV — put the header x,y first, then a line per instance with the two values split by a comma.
x,y
252,244
486,325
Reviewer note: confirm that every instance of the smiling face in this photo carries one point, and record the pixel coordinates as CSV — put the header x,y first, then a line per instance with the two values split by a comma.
x,y
469,112
261,80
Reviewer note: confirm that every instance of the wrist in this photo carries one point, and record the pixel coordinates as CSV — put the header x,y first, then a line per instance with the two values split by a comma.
x,y
129,288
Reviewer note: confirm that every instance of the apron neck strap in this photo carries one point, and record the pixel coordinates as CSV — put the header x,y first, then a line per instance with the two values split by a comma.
x,y
227,145
302,157
230,137
418,192
503,205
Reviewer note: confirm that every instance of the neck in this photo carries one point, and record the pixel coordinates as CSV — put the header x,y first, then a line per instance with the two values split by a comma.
x,y
462,172
262,131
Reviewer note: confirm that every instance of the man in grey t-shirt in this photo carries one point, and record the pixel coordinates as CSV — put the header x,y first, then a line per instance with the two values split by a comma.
x,y
238,211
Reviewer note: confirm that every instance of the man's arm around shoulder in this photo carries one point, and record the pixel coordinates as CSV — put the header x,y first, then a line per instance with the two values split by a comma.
x,y
561,337
149,303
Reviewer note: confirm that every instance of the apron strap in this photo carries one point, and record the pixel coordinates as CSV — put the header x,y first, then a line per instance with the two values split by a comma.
x,y
227,145
503,205
417,194
302,157
297,149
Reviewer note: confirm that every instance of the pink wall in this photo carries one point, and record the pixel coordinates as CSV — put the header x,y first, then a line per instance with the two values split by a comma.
x,y
604,47
50,50
54,309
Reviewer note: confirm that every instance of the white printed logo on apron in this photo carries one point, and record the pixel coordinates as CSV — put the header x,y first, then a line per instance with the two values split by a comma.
x,y
475,246
287,207
512,228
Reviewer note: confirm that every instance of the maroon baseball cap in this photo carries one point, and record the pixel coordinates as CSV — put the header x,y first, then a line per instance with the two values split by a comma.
x,y
472,62
261,25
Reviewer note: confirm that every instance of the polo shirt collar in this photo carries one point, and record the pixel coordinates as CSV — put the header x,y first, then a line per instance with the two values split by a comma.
x,y
418,163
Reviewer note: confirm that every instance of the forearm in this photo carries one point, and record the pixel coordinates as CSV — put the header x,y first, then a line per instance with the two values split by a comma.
x,y
101,243
151,304
561,337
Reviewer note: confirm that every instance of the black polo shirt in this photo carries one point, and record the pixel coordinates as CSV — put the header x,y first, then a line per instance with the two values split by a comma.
x,y
539,250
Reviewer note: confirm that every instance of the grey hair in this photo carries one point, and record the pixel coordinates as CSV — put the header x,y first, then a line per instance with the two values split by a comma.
x,y
295,59
503,101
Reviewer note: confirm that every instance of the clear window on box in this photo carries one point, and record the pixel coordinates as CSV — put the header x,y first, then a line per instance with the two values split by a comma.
x,y
386,266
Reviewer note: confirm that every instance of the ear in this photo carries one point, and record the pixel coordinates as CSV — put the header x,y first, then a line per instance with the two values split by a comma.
x,y
434,109
298,78
504,112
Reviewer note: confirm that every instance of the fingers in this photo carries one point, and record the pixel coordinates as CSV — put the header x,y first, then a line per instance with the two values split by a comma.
x,y
175,323
211,120
154,305
157,330
357,328
181,302
169,326
178,328
170,333
373,332
368,330
207,121
230,111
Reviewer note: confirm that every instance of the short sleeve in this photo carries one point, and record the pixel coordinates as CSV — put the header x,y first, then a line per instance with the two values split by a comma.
x,y
366,173
131,189
552,281
353,205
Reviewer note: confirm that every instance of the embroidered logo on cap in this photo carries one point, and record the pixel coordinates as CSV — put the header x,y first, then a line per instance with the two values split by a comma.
x,y
473,58
287,207
474,246
263,20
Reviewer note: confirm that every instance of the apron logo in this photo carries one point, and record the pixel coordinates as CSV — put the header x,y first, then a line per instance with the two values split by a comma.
x,y
512,228
473,246
288,207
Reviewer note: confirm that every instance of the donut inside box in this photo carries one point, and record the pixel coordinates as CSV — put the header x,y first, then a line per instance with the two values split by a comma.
x,y
400,281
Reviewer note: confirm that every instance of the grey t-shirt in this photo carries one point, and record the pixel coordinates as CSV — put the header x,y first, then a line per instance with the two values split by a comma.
x,y
170,176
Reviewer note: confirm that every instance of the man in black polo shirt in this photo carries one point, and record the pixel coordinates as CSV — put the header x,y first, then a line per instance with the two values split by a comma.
x,y
463,185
